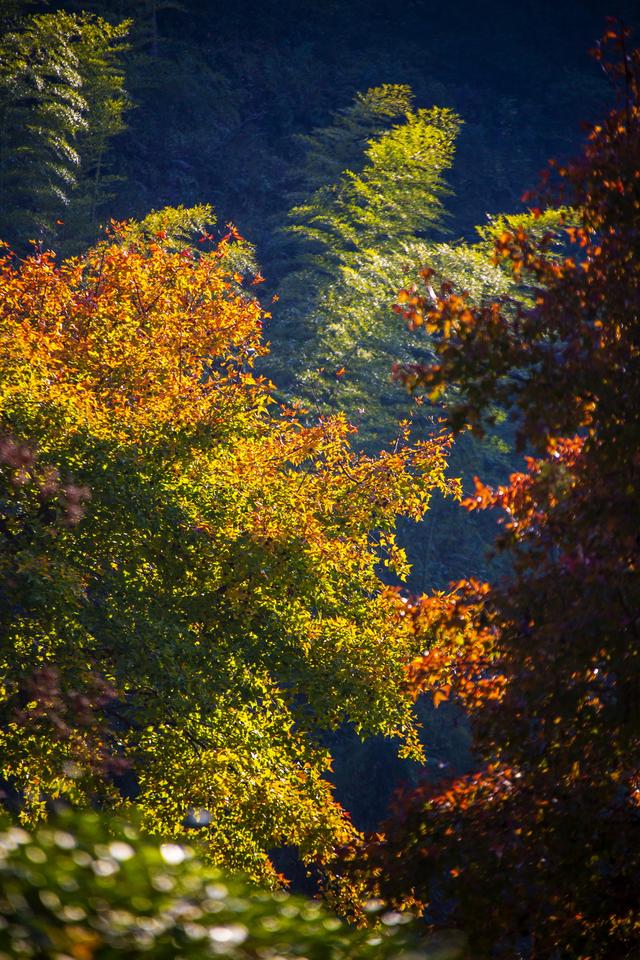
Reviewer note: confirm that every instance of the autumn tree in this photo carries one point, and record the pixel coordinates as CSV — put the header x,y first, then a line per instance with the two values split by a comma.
x,y
537,854
216,602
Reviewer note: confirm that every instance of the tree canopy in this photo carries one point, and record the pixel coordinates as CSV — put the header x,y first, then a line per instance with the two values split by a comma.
x,y
214,587
546,661
188,560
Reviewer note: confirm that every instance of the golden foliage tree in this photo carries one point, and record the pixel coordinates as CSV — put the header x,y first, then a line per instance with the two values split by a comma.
x,y
212,601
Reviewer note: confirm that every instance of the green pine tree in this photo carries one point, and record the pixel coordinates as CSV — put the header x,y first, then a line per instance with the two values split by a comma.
x,y
340,146
356,239
61,100
100,47
362,239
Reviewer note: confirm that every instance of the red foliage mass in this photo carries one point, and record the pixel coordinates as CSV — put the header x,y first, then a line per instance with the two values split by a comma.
x,y
538,854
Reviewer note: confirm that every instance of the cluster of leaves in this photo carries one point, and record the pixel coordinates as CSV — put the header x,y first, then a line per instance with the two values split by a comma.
x,y
363,208
553,652
36,505
223,584
62,100
339,146
82,887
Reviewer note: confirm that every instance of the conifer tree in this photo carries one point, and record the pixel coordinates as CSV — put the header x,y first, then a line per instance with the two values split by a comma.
x,y
340,146
100,47
361,238
61,100
350,227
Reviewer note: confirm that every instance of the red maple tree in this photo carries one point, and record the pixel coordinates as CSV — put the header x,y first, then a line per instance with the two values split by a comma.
x,y
537,855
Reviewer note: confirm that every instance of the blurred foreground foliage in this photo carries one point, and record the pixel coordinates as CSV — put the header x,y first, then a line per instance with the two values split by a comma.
x,y
90,888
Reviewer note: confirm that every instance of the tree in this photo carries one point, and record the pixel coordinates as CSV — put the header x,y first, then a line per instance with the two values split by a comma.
x,y
398,192
337,335
340,146
362,236
61,101
353,232
100,47
222,586
536,854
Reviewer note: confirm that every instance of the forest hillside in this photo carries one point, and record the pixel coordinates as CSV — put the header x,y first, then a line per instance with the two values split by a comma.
x,y
319,510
